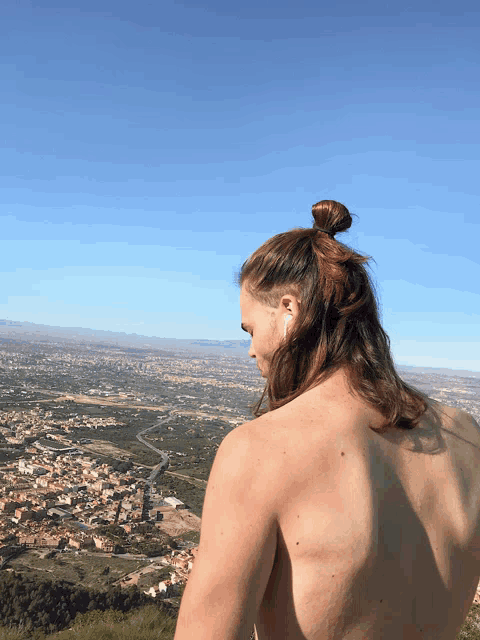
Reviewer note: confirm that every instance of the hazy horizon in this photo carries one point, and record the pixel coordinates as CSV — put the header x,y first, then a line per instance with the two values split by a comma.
x,y
199,345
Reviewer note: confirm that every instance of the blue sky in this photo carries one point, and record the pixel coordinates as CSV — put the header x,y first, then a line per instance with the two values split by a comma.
x,y
148,148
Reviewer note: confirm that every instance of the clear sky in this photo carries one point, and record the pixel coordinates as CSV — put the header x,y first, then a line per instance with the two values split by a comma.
x,y
147,148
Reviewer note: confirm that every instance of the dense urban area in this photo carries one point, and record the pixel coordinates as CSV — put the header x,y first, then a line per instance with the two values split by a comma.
x,y
105,452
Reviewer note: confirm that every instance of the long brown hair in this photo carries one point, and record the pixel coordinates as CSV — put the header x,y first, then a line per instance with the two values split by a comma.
x,y
338,323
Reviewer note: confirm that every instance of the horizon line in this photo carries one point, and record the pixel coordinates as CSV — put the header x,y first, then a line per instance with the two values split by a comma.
x,y
8,323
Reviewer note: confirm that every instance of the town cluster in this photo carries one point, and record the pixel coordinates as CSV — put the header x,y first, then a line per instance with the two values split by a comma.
x,y
56,496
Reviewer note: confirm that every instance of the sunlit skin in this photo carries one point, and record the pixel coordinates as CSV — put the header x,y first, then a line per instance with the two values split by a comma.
x,y
266,325
317,526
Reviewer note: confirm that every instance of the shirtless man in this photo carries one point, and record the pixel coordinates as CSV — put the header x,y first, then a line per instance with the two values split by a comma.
x,y
350,508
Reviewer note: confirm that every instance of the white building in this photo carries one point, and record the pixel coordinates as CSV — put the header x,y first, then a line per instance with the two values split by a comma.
x,y
174,502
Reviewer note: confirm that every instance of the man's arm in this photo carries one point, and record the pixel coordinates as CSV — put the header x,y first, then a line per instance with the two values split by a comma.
x,y
237,546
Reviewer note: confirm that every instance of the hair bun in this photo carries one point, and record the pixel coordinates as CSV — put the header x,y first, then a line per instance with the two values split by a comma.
x,y
331,216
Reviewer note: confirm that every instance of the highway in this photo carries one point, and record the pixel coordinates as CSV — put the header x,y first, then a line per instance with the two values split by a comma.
x,y
163,464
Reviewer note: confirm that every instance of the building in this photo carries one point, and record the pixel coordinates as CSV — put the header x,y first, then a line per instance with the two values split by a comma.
x,y
40,541
59,513
8,506
174,502
165,589
39,513
81,543
104,544
23,514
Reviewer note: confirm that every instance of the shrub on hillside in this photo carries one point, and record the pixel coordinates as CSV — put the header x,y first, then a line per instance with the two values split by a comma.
x,y
147,623
30,604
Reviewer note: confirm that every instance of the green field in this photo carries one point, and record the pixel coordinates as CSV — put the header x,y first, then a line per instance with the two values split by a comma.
x,y
90,570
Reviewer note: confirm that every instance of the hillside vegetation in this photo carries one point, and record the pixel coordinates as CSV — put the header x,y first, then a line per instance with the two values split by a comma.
x,y
42,607
147,623
151,623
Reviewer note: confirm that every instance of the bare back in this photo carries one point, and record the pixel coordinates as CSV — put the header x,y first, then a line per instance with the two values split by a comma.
x,y
378,534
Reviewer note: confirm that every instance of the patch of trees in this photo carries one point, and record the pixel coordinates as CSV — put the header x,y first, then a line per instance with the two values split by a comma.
x,y
52,606
155,543
112,531
146,528
122,466
151,548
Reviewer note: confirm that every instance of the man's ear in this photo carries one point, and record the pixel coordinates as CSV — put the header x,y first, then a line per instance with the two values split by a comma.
x,y
290,304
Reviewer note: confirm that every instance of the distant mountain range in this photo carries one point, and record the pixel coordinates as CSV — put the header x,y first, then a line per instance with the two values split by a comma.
x,y
29,331
462,373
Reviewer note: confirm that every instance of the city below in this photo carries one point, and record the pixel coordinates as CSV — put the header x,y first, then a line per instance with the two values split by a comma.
x,y
106,448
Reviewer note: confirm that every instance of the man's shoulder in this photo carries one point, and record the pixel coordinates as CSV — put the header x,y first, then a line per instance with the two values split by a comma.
x,y
261,436
466,418
465,426
267,445
300,422
455,419
269,431
282,441
288,450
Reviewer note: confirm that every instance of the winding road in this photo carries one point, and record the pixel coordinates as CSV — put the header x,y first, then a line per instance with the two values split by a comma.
x,y
164,461
163,464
